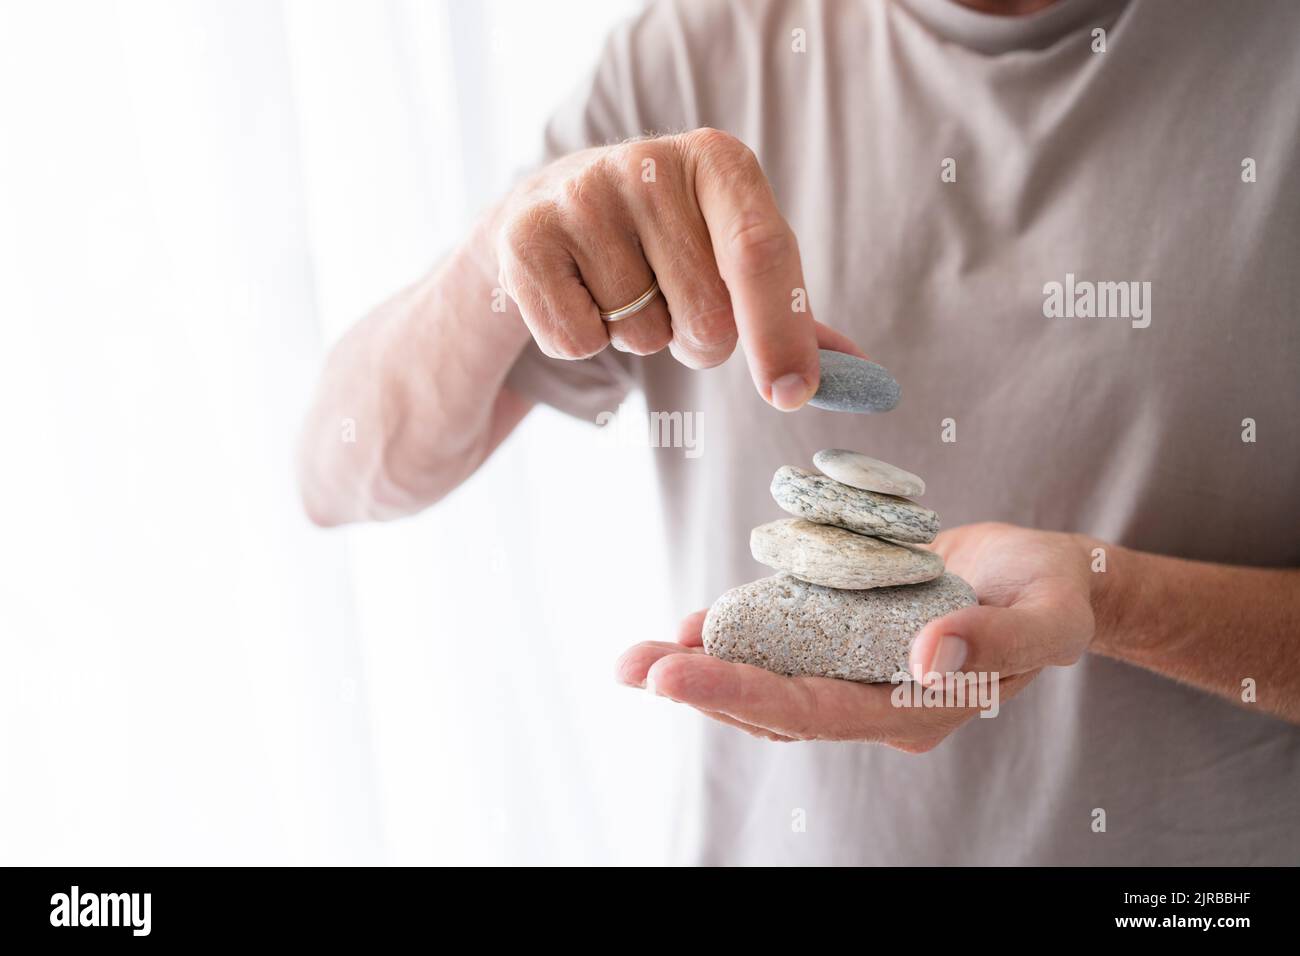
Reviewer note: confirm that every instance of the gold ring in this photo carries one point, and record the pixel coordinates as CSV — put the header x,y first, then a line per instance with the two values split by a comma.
x,y
633,307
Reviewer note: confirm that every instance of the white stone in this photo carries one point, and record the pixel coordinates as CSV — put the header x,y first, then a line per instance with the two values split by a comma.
x,y
870,474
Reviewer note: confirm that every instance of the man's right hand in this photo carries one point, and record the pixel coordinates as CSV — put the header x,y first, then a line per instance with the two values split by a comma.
x,y
696,213
419,384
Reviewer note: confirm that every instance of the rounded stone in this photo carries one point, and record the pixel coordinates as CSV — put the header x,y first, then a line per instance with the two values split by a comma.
x,y
870,474
852,384
791,627
817,498
827,555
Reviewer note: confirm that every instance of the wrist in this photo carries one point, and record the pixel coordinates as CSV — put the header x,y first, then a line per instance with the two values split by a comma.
x,y
1104,563
1116,591
478,256
460,306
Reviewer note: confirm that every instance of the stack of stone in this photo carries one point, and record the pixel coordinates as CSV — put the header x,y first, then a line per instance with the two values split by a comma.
x,y
853,591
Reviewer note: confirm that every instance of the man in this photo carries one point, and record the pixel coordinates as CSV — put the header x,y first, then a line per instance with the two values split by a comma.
x,y
953,174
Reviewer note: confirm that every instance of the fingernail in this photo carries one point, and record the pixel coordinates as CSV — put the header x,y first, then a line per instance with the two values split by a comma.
x,y
790,392
649,685
949,655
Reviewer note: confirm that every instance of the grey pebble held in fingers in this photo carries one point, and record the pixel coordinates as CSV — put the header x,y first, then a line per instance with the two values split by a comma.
x,y
827,555
815,497
852,384
786,625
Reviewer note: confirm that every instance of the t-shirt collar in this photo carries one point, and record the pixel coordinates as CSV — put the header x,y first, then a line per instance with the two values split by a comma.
x,y
992,34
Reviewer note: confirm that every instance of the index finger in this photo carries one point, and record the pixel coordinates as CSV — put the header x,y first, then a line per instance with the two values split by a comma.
x,y
758,259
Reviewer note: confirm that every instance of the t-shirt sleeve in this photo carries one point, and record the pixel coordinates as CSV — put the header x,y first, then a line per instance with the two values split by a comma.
x,y
582,388
602,110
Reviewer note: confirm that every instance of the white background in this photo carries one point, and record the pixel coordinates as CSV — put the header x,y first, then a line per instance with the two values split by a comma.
x,y
196,198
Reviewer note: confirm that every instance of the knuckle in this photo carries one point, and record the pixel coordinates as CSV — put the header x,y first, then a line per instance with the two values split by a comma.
x,y
756,246
649,342
645,175
525,231
721,150
693,358
556,335
659,341
634,155
563,343
724,157
577,353
583,200
547,346
579,339
709,333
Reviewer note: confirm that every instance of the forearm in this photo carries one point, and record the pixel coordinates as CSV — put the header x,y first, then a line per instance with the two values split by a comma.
x,y
1209,625
411,399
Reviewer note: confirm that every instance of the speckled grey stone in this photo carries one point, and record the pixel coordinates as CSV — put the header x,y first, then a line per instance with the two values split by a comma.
x,y
823,500
824,554
803,630
851,384
857,470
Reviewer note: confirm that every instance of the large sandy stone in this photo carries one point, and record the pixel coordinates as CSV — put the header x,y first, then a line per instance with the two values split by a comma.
x,y
792,627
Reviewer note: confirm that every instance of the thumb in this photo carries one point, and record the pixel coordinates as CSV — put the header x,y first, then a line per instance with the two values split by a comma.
x,y
1010,641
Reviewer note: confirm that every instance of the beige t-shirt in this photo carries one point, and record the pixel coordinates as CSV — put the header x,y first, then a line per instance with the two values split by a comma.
x,y
1127,165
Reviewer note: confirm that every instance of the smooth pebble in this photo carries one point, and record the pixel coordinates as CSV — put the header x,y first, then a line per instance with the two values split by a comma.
x,y
851,384
870,474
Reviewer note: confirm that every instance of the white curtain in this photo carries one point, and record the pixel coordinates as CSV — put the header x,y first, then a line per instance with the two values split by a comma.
x,y
196,197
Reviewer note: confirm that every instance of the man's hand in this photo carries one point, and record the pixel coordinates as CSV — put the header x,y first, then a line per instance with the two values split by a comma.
x,y
421,381
1036,595
694,212
1036,610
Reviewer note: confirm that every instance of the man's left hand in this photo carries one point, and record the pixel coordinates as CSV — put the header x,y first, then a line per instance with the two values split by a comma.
x,y
1036,593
